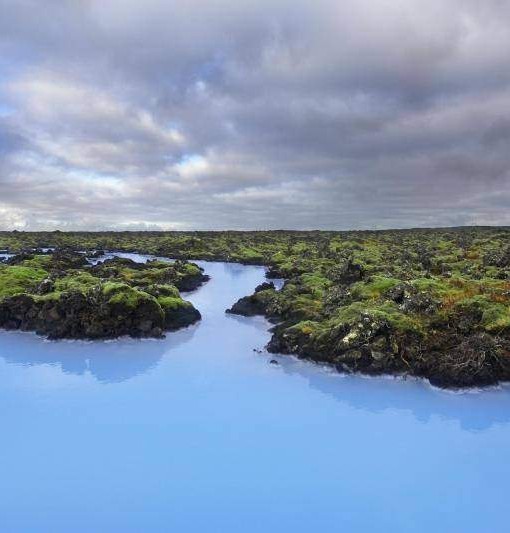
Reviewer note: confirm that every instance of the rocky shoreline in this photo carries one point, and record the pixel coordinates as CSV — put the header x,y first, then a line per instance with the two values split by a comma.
x,y
60,295
456,352
371,347
433,303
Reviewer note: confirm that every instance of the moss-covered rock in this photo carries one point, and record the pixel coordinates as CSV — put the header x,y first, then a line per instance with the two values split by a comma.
x,y
61,298
256,304
406,301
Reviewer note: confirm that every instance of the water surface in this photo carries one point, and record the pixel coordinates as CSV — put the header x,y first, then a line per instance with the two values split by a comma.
x,y
198,432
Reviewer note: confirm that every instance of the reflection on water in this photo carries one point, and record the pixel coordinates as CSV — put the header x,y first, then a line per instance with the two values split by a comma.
x,y
474,410
106,361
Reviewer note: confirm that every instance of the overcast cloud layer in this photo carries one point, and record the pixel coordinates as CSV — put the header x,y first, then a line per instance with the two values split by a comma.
x,y
254,114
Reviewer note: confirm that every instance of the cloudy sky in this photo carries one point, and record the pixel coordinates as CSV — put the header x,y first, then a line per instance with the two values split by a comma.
x,y
254,114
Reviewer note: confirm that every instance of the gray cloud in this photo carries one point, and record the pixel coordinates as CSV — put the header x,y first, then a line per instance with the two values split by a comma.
x,y
254,114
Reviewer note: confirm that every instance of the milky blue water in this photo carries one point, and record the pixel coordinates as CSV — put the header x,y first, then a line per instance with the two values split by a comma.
x,y
199,433
138,258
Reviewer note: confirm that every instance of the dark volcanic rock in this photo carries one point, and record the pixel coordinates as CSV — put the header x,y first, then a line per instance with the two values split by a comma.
x,y
92,316
184,317
96,254
65,260
498,258
264,286
410,300
347,272
45,287
191,282
256,304
110,267
248,306
19,258
274,273
475,361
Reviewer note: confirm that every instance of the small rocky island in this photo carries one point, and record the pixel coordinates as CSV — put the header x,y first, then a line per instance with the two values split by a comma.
x,y
62,295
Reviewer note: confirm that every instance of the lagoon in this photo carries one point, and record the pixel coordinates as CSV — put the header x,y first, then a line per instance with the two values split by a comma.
x,y
199,432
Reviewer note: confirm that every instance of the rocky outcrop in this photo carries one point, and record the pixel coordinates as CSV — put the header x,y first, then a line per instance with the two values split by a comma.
x,y
248,306
346,272
62,296
265,286
477,359
94,315
185,276
386,335
410,300
256,304
372,346
191,282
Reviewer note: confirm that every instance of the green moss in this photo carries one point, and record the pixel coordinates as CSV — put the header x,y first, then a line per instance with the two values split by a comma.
x,y
306,306
189,269
495,315
171,303
315,284
120,293
305,327
50,297
250,255
79,281
112,287
38,261
374,288
18,279
432,285
164,290
385,311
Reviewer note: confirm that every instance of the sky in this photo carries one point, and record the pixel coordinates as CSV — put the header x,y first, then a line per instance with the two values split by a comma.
x,y
254,114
